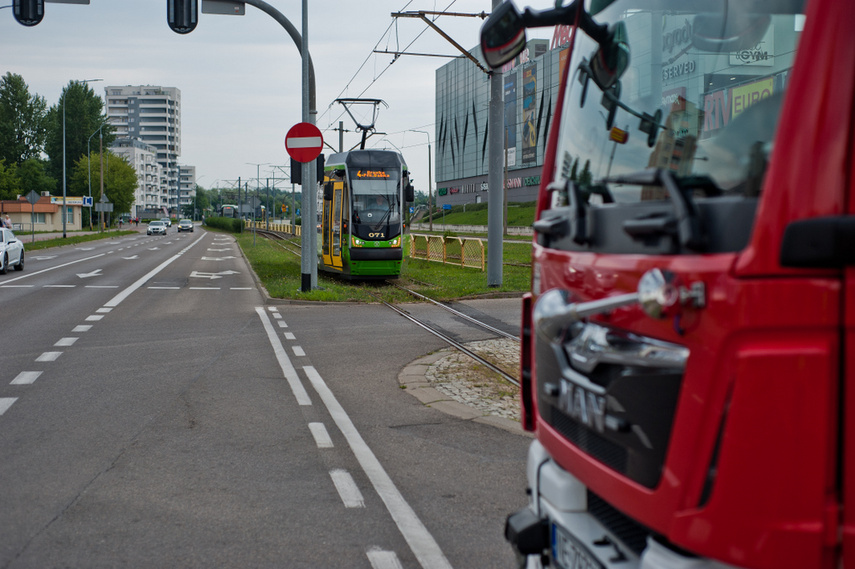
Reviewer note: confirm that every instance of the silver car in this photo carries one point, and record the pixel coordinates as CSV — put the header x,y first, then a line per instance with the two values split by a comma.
x,y
11,251
156,228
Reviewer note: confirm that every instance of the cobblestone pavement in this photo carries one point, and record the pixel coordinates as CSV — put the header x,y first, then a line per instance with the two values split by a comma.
x,y
452,381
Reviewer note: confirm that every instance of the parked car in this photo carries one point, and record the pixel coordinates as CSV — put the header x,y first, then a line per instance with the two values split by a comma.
x,y
185,225
166,221
156,228
11,251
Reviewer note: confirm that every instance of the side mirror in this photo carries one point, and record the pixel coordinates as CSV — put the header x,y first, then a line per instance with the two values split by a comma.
x,y
409,193
328,191
502,35
610,61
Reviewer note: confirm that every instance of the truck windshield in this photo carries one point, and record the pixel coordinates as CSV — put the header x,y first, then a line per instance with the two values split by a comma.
x,y
698,97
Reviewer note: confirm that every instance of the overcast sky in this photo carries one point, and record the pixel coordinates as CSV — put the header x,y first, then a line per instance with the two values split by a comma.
x,y
239,76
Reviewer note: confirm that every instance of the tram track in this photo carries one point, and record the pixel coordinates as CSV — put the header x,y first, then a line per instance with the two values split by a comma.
x,y
431,328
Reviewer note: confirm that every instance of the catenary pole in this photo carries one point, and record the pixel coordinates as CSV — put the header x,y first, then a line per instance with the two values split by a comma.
x,y
495,206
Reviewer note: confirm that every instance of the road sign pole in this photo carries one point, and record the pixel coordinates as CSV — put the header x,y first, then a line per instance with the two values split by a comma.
x,y
309,259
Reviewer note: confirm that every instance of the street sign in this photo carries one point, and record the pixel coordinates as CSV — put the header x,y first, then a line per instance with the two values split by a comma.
x,y
33,197
87,201
446,206
304,142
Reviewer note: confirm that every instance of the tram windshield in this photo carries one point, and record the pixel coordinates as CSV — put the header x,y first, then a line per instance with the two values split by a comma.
x,y
376,202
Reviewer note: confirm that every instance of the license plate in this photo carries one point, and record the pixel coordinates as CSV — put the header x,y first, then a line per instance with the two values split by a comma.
x,y
569,553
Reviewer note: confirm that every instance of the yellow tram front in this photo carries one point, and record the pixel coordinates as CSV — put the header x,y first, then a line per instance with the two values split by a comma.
x,y
365,192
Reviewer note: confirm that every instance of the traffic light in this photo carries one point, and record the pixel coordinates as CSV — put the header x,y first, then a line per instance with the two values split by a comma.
x,y
182,15
29,12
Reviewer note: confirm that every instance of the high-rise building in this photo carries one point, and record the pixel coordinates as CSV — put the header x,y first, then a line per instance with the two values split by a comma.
x,y
152,115
186,185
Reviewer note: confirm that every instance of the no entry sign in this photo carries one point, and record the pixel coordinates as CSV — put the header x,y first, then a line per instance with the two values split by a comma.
x,y
304,142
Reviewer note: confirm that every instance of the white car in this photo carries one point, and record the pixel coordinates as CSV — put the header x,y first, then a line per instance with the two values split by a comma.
x,y
156,228
11,252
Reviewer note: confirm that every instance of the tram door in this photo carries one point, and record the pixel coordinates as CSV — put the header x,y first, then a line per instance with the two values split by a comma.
x,y
332,227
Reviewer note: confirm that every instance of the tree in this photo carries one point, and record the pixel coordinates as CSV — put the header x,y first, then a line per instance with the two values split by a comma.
x,y
34,177
120,180
10,183
22,121
83,117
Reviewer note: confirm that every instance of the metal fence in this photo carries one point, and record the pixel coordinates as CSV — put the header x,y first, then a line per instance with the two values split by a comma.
x,y
279,227
462,251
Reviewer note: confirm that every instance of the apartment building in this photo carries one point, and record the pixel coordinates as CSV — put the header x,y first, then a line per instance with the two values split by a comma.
x,y
151,192
186,185
152,115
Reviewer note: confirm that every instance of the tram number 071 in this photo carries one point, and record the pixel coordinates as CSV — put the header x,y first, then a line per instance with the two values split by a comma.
x,y
377,235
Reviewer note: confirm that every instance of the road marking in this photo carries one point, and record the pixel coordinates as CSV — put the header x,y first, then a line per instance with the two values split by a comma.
x,y
163,287
320,434
203,288
101,286
65,342
94,317
104,310
284,362
213,276
298,351
59,286
95,273
290,336
347,489
380,559
282,324
48,357
226,258
26,378
421,542
241,288
277,316
5,403
116,300
17,286
82,328
28,275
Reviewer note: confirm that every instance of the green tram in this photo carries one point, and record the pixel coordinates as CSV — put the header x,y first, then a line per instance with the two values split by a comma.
x,y
365,192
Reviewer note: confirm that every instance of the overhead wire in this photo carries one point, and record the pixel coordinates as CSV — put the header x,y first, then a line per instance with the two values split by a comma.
x,y
383,71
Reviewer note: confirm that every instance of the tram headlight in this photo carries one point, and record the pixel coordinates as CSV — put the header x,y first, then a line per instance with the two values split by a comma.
x,y
356,242
396,242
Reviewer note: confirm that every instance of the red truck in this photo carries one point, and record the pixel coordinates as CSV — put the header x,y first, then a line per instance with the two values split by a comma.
x,y
688,345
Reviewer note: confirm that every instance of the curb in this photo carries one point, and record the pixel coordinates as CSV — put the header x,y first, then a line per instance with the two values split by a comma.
x,y
412,379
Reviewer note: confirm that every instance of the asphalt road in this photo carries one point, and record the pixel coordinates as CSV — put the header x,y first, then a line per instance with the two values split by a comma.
x,y
157,411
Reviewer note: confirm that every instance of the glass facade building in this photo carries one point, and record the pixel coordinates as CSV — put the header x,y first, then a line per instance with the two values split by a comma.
x,y
530,89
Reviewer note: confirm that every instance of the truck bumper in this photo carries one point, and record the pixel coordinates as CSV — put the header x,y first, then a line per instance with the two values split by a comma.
x,y
557,527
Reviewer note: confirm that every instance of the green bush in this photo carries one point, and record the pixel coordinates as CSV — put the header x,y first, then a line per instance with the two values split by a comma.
x,y
225,223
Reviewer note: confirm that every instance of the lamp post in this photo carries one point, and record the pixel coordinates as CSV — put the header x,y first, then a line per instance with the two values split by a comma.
x,y
64,208
257,180
89,162
430,183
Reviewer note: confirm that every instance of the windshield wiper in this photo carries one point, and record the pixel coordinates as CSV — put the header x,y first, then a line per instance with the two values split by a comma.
x,y
684,224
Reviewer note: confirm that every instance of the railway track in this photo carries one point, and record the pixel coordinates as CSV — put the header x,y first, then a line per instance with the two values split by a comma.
x,y
505,375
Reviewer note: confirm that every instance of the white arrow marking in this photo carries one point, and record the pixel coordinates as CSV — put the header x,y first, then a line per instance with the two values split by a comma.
x,y
95,273
131,258
217,258
220,250
44,257
212,275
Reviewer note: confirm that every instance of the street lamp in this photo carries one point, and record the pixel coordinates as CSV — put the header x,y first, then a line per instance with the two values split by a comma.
x,y
64,208
257,180
430,191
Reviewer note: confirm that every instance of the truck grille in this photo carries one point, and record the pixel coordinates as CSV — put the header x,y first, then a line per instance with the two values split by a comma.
x,y
631,533
613,395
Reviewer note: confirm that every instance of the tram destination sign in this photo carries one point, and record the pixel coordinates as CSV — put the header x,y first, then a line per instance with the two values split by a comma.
x,y
304,142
